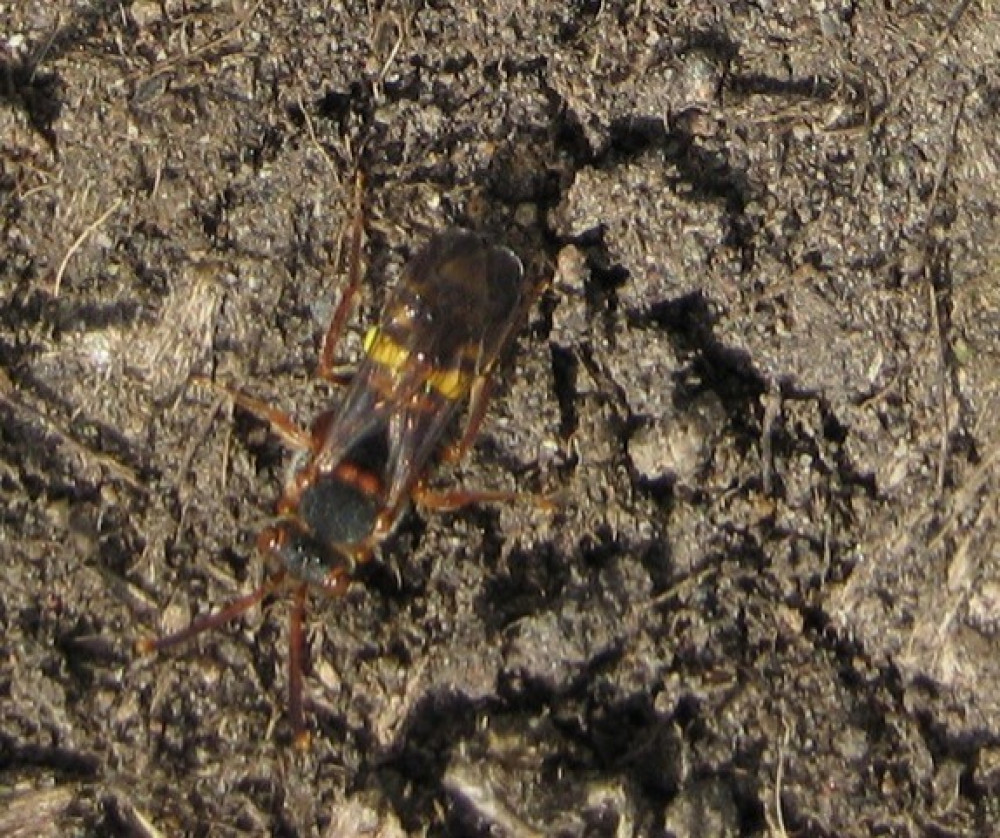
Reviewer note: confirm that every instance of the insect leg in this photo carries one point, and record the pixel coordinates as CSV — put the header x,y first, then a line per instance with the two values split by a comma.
x,y
296,650
450,501
218,618
336,583
281,423
328,368
479,397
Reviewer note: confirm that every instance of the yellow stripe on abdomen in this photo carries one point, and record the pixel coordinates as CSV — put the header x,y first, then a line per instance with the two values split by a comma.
x,y
384,350
453,384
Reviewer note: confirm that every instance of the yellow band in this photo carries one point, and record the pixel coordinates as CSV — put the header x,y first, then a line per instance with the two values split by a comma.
x,y
452,384
383,350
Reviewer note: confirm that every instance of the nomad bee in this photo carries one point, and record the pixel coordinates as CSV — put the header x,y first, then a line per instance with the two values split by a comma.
x,y
442,332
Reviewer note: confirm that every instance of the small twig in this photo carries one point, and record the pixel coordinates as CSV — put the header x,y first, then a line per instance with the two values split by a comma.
x,y
946,157
965,494
394,51
311,131
772,415
73,248
201,432
37,59
197,52
944,33
119,470
939,338
779,779
942,383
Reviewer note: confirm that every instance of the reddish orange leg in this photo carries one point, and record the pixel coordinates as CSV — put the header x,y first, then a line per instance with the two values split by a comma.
x,y
479,397
214,620
281,423
450,501
296,653
328,368
336,584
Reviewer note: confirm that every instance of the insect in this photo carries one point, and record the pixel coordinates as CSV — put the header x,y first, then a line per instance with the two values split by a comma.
x,y
443,329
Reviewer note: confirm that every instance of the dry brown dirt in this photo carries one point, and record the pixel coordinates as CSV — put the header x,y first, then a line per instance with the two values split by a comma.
x,y
763,384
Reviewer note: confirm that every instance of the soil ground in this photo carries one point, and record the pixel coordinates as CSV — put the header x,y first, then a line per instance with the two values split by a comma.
x,y
762,383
